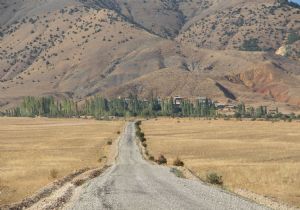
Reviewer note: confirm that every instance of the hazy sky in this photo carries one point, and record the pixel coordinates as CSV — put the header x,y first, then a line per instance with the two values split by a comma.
x,y
298,1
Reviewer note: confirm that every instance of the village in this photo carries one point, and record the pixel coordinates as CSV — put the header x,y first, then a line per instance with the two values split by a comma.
x,y
229,108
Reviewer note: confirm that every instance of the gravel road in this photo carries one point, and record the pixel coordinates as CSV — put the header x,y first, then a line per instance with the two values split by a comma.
x,y
133,183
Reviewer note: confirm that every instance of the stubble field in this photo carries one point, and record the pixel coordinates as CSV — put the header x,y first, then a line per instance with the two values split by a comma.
x,y
34,152
260,157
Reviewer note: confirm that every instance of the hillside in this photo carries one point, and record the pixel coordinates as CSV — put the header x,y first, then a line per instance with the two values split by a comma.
x,y
242,25
77,49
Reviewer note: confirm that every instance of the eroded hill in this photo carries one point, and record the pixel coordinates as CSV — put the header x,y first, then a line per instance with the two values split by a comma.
x,y
163,48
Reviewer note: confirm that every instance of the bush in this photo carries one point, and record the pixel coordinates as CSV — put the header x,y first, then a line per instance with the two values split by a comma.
x,y
140,134
161,160
53,173
177,172
79,182
151,158
293,37
250,45
214,178
109,142
144,144
118,132
178,162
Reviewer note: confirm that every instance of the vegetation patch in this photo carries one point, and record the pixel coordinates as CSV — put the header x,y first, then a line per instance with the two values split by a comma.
x,y
293,37
250,45
161,160
214,178
177,172
178,162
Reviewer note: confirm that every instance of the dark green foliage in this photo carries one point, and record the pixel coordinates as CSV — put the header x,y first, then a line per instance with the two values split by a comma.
x,y
102,108
45,106
259,112
250,45
293,37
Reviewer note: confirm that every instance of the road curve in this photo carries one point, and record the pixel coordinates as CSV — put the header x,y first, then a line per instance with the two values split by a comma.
x,y
133,183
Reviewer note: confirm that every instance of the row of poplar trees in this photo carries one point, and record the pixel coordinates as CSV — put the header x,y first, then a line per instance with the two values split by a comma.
x,y
100,107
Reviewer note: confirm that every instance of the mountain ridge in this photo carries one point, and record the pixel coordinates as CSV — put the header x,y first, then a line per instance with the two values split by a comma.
x,y
78,49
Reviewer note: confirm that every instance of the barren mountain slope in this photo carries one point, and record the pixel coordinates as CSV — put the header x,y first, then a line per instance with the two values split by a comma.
x,y
242,26
79,48
70,50
254,78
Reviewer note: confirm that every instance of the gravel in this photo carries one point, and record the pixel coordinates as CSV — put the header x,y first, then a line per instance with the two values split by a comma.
x,y
133,183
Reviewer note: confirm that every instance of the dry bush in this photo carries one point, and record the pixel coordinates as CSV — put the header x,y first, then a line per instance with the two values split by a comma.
x,y
151,158
178,162
53,173
161,160
109,142
79,182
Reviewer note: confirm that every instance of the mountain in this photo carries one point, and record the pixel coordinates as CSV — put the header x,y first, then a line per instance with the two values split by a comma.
x,y
234,50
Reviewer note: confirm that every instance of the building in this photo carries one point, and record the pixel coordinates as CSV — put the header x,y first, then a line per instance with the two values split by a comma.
x,y
177,100
203,99
220,106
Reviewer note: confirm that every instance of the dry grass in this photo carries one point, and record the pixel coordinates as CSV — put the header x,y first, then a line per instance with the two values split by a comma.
x,y
33,152
262,157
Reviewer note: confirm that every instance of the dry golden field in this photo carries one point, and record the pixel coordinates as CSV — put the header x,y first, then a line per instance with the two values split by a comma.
x,y
261,157
31,148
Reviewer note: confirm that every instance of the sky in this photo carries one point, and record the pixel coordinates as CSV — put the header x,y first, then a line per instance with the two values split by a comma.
x,y
297,1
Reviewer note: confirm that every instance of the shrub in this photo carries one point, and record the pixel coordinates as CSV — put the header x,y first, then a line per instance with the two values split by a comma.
x,y
250,45
214,178
118,132
177,172
138,123
151,158
178,162
53,173
144,144
161,160
109,142
293,37
79,182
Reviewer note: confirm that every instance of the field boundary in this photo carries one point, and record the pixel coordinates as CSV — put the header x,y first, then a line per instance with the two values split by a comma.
x,y
45,191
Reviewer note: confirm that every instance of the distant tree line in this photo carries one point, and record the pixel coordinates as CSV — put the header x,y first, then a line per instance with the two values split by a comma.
x,y
101,108
262,112
44,106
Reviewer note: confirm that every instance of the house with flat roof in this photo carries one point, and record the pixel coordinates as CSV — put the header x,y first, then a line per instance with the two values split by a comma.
x,y
177,100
